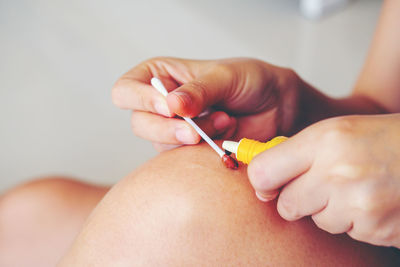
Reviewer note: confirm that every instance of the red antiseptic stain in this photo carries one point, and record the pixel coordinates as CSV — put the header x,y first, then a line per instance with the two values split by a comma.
x,y
230,162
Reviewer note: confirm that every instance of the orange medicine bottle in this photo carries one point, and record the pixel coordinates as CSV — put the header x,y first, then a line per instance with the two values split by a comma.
x,y
247,149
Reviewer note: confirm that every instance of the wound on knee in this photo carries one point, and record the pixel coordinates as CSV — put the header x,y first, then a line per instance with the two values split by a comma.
x,y
230,162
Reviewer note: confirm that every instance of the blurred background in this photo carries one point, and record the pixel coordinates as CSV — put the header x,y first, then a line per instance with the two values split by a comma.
x,y
59,60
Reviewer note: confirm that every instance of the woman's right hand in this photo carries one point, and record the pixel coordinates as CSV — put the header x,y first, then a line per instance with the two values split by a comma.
x,y
248,98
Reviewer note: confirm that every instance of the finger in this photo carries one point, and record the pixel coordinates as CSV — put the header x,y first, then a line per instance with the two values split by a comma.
x,y
275,167
217,124
249,125
163,130
333,218
164,147
177,131
192,98
231,130
303,196
131,94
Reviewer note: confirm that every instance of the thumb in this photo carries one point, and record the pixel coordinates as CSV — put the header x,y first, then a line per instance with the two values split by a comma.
x,y
190,99
273,168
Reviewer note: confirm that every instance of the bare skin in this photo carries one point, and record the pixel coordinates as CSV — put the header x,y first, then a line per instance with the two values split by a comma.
x,y
344,172
39,220
379,78
184,208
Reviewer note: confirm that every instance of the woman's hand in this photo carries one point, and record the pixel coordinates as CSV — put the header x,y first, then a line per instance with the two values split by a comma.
x,y
344,172
248,97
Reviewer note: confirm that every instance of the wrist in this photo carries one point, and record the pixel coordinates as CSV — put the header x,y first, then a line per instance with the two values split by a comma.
x,y
314,106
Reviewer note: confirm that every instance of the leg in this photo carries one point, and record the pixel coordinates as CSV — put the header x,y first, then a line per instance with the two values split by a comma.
x,y
184,208
39,220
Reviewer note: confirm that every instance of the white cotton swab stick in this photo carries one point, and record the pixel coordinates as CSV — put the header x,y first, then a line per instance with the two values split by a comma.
x,y
160,88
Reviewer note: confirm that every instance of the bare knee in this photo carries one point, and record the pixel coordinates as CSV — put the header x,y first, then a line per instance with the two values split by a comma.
x,y
162,215
180,209
37,197
29,198
39,219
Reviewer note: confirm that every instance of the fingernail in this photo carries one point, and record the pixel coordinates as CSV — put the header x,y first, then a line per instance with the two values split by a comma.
x,y
184,98
162,109
266,198
184,135
221,122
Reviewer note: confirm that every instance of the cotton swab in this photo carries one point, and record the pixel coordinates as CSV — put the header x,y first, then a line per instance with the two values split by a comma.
x,y
160,88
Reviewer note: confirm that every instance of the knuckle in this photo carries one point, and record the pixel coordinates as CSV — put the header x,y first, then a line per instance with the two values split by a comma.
x,y
256,175
223,68
135,123
383,235
373,203
148,63
290,83
368,229
337,130
159,147
363,202
342,171
116,92
360,234
287,207
156,59
291,75
200,88
156,62
145,102
369,204
355,235
321,223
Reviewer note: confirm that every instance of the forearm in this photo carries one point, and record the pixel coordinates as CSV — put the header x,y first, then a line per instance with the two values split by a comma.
x,y
380,76
315,106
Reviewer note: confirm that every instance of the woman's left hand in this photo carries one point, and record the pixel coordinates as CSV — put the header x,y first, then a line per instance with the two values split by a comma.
x,y
344,172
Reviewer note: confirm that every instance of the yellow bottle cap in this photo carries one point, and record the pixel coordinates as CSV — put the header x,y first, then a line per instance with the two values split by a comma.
x,y
249,148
